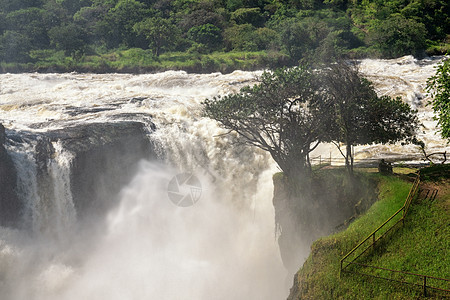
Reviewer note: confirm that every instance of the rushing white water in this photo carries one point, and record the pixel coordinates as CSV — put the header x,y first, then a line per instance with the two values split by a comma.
x,y
223,247
27,185
63,215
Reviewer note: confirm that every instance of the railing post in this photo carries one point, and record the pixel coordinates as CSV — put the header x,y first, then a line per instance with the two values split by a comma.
x,y
373,241
425,286
403,215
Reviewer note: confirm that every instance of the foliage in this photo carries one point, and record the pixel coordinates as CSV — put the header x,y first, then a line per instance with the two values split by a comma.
x,y
248,16
284,114
362,117
398,36
301,29
70,38
137,60
206,34
159,32
117,26
290,111
14,46
439,87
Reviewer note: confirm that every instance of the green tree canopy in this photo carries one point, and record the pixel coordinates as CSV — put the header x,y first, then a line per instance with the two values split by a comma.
x,y
14,46
439,88
290,111
161,33
117,25
361,116
207,34
70,38
398,36
284,114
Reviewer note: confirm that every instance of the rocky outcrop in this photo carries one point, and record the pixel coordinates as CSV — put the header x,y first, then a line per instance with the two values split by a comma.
x,y
10,206
333,199
103,158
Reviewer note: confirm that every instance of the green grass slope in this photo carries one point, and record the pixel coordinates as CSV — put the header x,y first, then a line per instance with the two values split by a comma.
x,y
420,246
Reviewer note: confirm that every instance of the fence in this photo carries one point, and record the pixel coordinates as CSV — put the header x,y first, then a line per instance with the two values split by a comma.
x,y
425,282
319,160
371,240
365,162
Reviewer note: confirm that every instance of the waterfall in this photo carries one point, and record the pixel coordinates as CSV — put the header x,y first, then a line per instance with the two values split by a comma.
x,y
44,190
27,185
64,215
144,246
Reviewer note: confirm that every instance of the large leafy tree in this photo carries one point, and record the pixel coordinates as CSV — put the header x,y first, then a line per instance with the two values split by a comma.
x,y
116,27
32,23
284,114
398,36
70,38
290,111
439,87
14,47
160,33
206,34
361,116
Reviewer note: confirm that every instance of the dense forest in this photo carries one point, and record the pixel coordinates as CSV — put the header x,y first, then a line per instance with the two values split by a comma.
x,y
37,30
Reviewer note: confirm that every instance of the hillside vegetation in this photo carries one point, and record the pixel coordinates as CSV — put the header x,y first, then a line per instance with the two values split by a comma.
x,y
132,35
420,246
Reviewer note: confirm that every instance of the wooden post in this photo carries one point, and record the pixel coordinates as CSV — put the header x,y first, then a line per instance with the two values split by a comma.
x,y
425,286
373,241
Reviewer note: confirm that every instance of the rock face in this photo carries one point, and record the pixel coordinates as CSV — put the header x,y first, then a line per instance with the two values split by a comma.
x,y
10,206
103,158
333,201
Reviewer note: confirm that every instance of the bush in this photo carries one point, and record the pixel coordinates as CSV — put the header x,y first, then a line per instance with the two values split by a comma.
x,y
207,35
398,36
248,16
14,47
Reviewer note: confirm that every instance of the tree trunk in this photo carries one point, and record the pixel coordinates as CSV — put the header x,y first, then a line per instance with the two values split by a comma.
x,y
349,160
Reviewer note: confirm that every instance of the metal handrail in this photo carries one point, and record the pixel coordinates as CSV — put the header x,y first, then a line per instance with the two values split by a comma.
x,y
372,235
404,208
374,239
412,193
423,285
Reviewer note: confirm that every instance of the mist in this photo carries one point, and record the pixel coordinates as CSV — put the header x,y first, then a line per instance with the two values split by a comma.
x,y
149,248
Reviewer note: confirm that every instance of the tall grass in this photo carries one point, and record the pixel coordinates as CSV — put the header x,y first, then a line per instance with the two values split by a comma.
x,y
136,60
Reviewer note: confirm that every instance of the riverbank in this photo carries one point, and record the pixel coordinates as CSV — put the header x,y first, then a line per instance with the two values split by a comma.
x,y
421,246
139,61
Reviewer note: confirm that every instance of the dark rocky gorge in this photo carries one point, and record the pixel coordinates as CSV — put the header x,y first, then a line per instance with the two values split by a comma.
x,y
9,201
104,158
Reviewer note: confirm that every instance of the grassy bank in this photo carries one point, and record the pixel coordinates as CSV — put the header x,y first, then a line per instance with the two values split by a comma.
x,y
421,246
137,60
